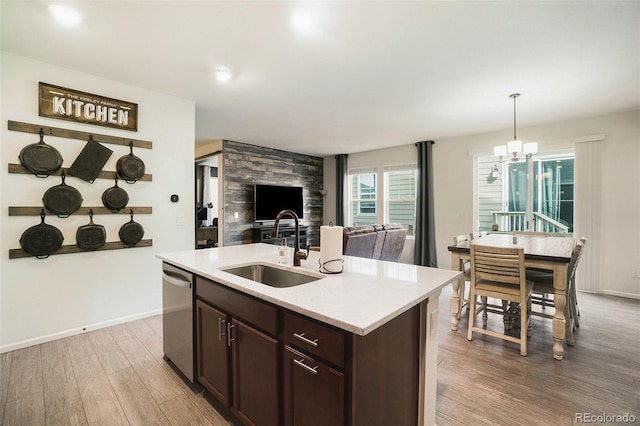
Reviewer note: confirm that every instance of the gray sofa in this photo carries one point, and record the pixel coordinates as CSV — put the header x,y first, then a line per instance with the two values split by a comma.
x,y
381,242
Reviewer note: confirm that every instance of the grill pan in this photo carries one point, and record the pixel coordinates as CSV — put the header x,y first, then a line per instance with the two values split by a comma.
x,y
90,161
91,236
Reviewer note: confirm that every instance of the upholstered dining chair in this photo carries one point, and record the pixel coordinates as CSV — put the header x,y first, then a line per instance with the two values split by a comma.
x,y
499,272
543,286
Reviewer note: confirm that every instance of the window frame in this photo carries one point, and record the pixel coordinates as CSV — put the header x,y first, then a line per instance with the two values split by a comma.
x,y
381,197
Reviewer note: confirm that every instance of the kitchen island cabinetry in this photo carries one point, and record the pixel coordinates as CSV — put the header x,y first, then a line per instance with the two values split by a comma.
x,y
356,348
313,391
237,362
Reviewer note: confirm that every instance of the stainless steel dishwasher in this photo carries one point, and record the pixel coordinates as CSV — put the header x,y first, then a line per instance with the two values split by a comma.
x,y
177,319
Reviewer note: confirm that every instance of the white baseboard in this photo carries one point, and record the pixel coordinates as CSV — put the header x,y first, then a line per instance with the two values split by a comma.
x,y
620,294
78,330
612,293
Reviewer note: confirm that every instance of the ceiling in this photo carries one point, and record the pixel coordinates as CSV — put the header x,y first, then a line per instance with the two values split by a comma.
x,y
366,75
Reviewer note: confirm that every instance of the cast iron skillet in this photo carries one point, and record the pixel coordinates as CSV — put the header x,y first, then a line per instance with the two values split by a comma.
x,y
41,240
130,167
115,198
90,161
131,232
62,200
40,159
91,236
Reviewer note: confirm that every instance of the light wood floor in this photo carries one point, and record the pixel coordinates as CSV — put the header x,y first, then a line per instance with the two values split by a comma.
x,y
117,375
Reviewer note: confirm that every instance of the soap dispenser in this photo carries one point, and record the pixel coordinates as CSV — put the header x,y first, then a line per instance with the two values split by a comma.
x,y
282,252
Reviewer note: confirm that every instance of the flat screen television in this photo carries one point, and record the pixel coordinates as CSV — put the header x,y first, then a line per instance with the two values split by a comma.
x,y
269,200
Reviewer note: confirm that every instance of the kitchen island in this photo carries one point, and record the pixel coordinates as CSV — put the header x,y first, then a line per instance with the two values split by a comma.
x,y
355,348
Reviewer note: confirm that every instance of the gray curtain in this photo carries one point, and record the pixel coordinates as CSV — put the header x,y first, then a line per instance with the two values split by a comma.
x,y
341,184
425,249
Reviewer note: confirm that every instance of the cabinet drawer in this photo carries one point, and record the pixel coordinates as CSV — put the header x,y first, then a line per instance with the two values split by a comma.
x,y
260,314
314,393
314,338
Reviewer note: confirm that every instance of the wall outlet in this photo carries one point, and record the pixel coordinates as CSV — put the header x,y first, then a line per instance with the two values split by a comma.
x,y
180,220
635,273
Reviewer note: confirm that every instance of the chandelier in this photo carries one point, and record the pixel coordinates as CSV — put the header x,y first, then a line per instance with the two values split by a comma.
x,y
515,146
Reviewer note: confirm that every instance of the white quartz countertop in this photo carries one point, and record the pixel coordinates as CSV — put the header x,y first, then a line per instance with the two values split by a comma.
x,y
366,295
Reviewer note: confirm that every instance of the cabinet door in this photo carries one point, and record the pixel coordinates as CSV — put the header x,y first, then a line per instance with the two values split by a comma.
x,y
313,392
214,371
255,375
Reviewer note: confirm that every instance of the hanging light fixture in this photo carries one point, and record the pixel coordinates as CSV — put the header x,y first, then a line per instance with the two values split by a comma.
x,y
515,146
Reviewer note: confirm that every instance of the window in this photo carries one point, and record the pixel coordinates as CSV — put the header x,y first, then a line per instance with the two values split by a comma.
x,y
363,198
392,202
502,196
400,196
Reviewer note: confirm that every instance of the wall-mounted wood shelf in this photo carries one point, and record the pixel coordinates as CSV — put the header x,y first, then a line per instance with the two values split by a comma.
x,y
35,211
97,210
114,245
74,134
17,168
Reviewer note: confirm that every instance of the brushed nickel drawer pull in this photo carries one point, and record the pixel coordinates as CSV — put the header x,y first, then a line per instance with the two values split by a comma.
x,y
229,338
301,363
300,336
220,328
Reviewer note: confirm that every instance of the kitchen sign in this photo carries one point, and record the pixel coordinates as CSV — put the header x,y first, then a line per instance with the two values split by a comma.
x,y
82,107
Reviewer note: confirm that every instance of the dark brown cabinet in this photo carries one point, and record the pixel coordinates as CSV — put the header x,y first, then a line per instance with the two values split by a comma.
x,y
313,391
237,362
255,375
262,234
213,351
271,366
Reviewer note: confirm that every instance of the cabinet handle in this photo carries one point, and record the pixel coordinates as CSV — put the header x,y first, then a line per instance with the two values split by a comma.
x,y
220,328
301,363
229,338
300,336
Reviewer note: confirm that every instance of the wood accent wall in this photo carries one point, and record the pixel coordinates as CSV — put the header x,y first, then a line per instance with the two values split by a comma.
x,y
246,165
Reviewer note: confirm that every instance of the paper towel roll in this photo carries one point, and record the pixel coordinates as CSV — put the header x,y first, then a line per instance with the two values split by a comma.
x,y
331,249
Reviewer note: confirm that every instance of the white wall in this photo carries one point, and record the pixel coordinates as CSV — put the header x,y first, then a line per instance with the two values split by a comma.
x,y
43,300
453,179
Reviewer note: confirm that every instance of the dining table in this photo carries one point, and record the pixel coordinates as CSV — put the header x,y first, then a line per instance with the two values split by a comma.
x,y
541,252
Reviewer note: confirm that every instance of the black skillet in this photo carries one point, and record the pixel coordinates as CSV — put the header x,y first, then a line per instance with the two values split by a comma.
x,y
115,198
41,240
91,236
40,159
62,200
130,167
131,232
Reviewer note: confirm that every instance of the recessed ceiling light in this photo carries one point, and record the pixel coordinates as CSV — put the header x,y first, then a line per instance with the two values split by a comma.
x,y
65,15
223,74
303,22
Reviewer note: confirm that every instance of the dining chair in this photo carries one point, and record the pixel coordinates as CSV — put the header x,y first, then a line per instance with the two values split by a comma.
x,y
499,272
478,234
543,285
465,267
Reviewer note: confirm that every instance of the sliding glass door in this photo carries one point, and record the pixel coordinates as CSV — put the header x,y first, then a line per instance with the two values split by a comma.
x,y
502,195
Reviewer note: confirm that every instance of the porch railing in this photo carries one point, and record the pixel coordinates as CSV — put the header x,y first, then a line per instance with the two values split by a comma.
x,y
516,221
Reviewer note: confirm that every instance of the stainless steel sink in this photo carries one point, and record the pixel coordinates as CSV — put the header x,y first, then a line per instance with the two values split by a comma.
x,y
271,276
